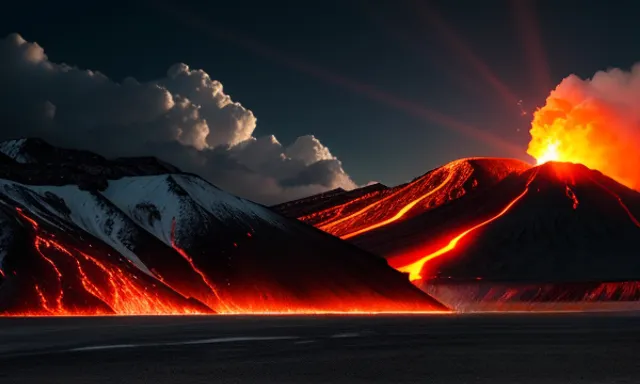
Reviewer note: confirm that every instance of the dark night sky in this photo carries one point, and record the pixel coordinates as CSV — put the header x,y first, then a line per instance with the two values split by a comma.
x,y
359,75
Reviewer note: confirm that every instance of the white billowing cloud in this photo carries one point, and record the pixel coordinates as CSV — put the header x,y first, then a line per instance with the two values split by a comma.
x,y
184,118
308,149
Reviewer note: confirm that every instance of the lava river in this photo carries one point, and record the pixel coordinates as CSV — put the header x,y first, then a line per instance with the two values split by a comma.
x,y
107,288
561,173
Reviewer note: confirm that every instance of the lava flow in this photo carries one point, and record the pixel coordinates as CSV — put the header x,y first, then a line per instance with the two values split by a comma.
x,y
619,199
414,269
401,212
218,302
389,209
122,295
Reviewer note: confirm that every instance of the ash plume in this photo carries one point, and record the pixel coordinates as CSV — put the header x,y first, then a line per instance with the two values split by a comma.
x,y
595,122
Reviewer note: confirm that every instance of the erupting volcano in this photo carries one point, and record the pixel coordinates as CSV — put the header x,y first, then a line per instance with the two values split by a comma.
x,y
83,235
507,234
593,122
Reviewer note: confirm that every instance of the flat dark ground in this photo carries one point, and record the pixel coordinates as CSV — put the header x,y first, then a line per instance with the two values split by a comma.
x,y
514,348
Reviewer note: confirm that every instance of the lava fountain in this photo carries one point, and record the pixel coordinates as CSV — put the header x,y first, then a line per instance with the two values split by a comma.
x,y
594,122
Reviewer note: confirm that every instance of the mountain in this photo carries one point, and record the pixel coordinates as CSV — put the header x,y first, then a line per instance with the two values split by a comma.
x,y
82,234
369,209
481,238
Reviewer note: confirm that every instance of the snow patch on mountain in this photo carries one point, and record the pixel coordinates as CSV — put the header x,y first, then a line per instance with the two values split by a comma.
x,y
222,205
94,215
61,206
15,150
13,195
150,202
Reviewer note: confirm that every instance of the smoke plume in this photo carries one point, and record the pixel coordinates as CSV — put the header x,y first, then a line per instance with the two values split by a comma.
x,y
184,118
595,122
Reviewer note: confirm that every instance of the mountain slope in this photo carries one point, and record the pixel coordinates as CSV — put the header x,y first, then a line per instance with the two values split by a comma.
x,y
368,211
85,235
555,222
555,232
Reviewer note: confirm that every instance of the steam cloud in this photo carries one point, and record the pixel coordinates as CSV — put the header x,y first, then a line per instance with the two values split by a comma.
x,y
595,122
184,118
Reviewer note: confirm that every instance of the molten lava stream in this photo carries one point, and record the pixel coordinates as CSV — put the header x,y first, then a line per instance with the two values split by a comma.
x,y
326,226
212,288
415,268
123,294
403,211
572,195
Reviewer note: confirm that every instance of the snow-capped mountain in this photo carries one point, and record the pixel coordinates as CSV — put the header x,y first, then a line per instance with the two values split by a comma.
x,y
82,234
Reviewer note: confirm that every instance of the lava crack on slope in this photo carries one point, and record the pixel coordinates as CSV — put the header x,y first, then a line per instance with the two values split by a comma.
x,y
414,269
402,211
619,199
571,195
124,294
210,285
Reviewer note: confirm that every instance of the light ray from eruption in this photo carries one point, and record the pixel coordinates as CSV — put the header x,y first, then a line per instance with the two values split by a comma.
x,y
412,108
409,40
433,18
525,19
414,269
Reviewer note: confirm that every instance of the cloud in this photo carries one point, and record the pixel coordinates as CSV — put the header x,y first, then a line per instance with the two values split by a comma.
x,y
184,118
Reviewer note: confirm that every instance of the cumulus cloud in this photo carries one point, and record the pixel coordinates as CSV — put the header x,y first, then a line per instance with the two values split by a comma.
x,y
184,118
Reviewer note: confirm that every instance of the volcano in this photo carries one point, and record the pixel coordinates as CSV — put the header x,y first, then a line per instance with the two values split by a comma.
x,y
500,234
85,235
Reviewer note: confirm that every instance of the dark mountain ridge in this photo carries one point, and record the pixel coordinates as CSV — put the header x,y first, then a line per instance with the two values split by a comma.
x,y
82,234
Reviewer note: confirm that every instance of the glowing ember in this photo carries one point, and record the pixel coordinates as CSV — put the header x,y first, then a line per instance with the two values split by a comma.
x,y
571,195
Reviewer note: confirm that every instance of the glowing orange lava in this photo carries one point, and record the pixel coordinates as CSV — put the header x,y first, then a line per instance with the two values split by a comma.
x,y
571,195
576,126
210,285
401,212
326,226
415,268
123,294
